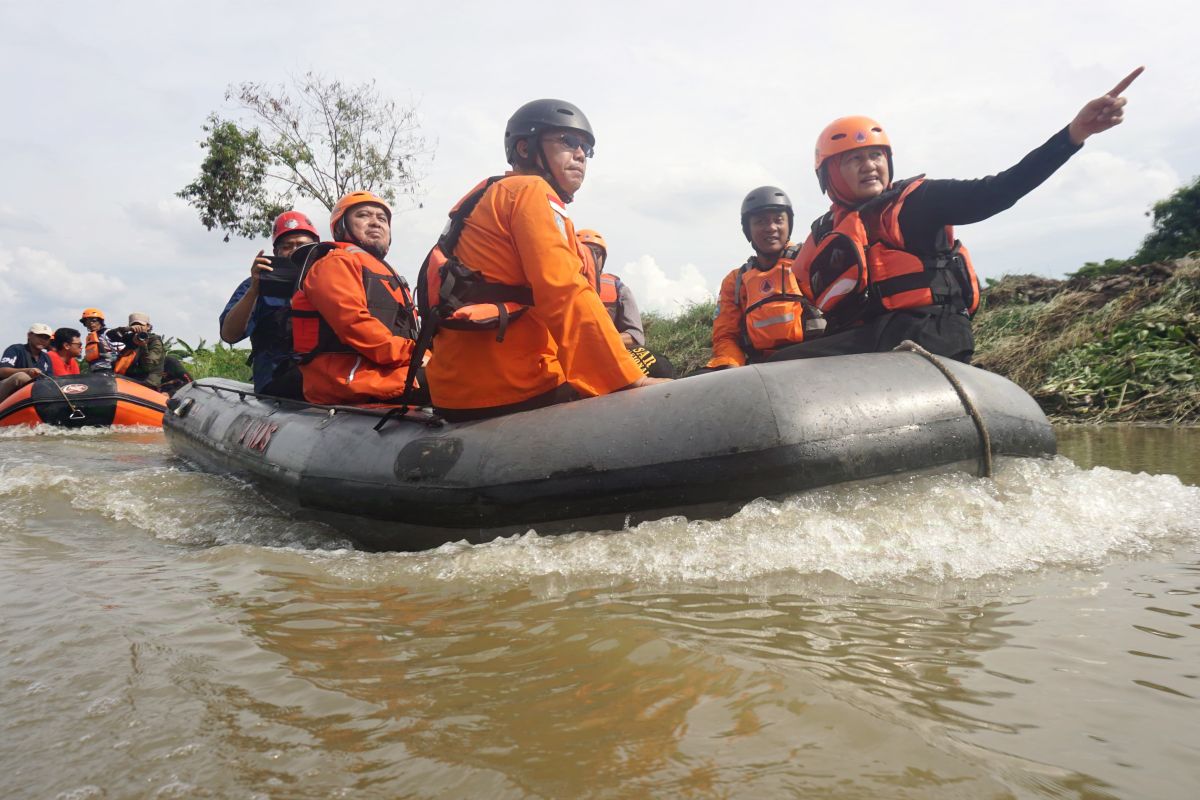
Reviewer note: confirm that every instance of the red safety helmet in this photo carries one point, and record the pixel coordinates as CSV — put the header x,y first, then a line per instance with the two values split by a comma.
x,y
849,133
293,222
350,201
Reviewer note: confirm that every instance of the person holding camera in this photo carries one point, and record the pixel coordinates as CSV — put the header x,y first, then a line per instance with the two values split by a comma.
x,y
260,312
144,355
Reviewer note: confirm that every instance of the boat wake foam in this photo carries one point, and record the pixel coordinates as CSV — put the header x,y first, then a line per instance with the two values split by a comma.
x,y
1034,514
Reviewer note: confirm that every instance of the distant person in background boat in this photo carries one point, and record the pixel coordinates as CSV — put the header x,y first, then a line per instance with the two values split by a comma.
x,y
620,304
66,350
22,363
263,315
760,308
518,325
353,320
99,351
883,264
143,355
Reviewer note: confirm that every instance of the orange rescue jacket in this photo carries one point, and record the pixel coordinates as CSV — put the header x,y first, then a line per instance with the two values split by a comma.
x,y
857,267
353,323
519,235
760,311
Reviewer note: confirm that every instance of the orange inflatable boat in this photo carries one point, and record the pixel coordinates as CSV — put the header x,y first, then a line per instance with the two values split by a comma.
x,y
76,401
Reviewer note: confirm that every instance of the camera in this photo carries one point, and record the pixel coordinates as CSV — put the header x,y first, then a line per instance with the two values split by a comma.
x,y
130,337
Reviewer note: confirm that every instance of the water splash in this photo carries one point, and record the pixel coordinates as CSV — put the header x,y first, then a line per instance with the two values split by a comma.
x,y
1034,514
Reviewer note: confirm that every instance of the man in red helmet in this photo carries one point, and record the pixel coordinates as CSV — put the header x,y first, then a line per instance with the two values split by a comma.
x,y
883,265
259,314
353,319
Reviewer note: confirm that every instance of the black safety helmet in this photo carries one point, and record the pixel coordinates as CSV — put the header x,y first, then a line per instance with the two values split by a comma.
x,y
766,198
538,116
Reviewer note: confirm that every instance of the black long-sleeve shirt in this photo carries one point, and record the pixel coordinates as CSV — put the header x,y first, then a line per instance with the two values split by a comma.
x,y
937,203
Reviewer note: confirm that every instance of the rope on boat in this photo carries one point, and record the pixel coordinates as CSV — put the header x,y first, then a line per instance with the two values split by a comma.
x,y
76,414
985,439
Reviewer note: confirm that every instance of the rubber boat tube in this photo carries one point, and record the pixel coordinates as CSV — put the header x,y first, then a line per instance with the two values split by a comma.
x,y
703,446
76,401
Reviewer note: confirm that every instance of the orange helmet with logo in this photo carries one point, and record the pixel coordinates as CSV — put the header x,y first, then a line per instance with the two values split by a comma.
x,y
350,201
849,133
91,312
589,236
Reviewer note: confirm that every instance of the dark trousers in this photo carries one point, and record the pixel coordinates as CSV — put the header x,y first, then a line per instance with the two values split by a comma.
x,y
563,393
939,329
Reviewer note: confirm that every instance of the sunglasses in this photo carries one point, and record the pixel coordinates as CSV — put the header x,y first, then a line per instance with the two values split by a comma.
x,y
573,141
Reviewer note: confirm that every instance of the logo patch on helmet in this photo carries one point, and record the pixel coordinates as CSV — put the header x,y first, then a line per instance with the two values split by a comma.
x,y
860,137
292,223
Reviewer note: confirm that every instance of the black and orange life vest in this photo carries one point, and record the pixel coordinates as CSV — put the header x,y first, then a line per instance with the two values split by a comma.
x,y
452,295
860,267
774,310
387,297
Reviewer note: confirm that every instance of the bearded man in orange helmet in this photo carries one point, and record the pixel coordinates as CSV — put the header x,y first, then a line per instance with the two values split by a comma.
x,y
883,264
353,320
517,324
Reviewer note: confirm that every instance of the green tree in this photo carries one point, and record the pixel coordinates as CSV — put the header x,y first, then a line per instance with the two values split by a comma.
x,y
316,139
1176,226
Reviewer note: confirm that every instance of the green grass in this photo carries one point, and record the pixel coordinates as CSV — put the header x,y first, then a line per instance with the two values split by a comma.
x,y
685,339
220,361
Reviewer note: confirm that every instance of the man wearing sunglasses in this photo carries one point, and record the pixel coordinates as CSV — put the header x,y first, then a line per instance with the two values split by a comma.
x,y
558,342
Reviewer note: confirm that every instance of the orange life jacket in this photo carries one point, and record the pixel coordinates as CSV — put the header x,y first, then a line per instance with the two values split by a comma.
x,y
124,361
387,296
452,295
859,268
775,312
610,294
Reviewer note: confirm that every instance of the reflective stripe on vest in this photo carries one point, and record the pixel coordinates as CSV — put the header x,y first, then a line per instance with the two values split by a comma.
x,y
772,304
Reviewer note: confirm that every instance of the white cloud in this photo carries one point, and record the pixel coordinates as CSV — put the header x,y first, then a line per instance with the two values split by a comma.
x,y
655,290
37,286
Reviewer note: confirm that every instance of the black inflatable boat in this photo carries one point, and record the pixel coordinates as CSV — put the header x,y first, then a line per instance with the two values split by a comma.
x,y
702,447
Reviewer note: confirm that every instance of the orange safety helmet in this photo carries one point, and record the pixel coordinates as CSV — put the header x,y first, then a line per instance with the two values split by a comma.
x,y
589,236
91,312
350,201
293,222
849,133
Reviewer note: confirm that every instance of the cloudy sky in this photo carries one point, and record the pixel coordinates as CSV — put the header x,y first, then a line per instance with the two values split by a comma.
x,y
693,103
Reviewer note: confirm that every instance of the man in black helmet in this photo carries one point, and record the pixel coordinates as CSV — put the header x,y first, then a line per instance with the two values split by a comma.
x,y
760,308
518,326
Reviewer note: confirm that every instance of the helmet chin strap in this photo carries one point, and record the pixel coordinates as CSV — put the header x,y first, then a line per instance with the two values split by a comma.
x,y
539,162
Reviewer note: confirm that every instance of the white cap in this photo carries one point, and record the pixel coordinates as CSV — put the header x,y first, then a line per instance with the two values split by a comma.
x,y
41,329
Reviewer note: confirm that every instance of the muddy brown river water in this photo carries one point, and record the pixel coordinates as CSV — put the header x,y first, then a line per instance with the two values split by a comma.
x,y
167,634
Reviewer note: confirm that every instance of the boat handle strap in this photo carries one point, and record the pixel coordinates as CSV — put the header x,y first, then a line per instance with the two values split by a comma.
x,y
985,439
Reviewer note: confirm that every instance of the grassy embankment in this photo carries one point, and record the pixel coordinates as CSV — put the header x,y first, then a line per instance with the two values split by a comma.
x,y
1119,346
